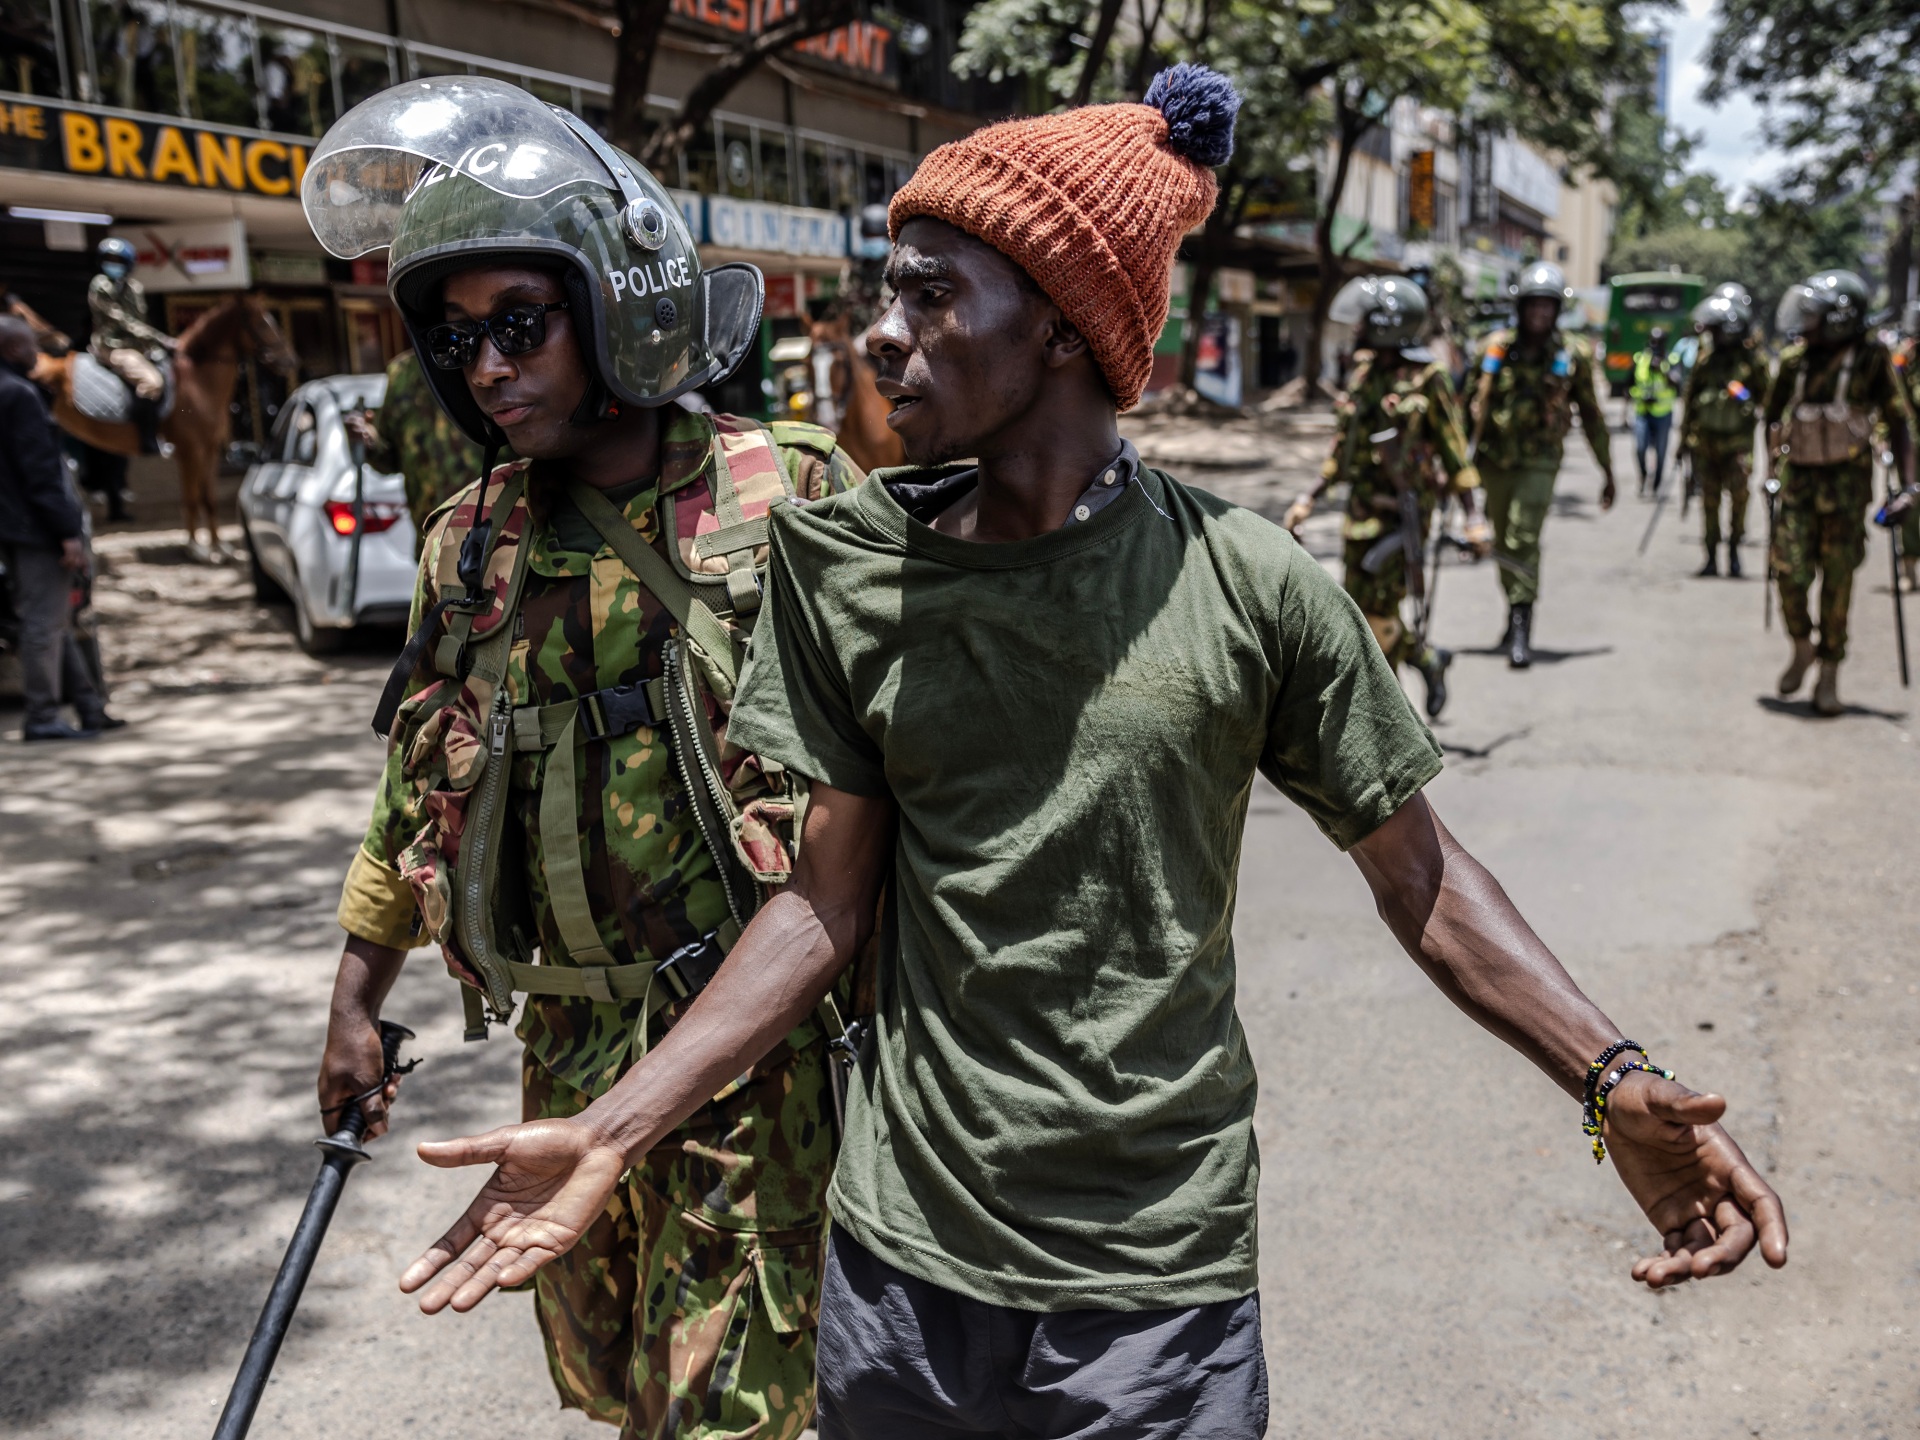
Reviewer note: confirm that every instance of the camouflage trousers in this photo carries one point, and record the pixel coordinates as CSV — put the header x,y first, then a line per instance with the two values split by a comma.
x,y
1822,530
1517,505
1722,466
1379,596
669,1319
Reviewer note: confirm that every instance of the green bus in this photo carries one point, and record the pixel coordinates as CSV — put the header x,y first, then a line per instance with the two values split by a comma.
x,y
1640,302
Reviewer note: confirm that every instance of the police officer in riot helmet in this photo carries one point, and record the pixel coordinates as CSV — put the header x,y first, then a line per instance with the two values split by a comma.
x,y
1399,445
124,341
1832,386
1719,405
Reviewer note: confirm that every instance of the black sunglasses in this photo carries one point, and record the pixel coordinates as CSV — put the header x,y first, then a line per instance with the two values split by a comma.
x,y
514,331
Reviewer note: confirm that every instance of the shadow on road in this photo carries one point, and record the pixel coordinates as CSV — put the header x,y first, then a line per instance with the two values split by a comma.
x,y
1803,710
1540,656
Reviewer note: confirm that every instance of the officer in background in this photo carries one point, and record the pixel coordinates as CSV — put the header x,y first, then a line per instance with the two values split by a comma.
x,y
1720,405
1653,392
1906,360
1398,442
124,341
412,437
1829,392
1532,382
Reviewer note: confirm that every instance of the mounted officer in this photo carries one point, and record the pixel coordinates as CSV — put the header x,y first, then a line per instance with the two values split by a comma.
x,y
1720,406
1398,443
561,789
1831,388
124,341
1533,380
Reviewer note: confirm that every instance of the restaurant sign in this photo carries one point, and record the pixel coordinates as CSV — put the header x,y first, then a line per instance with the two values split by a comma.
x,y
119,145
862,46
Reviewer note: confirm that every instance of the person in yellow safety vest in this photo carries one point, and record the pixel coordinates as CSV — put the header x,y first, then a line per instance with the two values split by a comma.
x,y
1653,394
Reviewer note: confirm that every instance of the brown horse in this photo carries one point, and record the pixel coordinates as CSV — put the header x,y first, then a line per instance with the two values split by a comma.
x,y
206,367
849,403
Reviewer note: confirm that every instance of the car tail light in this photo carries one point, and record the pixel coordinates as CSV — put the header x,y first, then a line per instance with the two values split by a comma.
x,y
378,514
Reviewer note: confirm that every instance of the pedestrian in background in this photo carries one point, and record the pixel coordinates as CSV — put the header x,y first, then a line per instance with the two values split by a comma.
x,y
1653,393
412,437
41,529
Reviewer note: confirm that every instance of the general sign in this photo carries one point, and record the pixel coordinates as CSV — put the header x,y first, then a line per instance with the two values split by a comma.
x,y
205,255
114,145
861,45
778,229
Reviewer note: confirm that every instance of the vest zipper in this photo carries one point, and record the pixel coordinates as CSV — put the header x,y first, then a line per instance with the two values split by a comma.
x,y
703,785
473,866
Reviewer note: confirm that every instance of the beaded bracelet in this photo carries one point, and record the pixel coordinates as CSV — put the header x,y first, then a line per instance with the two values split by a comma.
x,y
1597,1112
1594,1070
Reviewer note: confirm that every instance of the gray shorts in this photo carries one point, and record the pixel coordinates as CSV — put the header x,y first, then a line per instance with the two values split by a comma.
x,y
900,1356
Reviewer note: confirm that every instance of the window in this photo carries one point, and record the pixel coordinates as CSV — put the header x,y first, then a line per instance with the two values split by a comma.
x,y
814,189
132,49
736,160
362,69
296,81
703,162
303,437
30,58
1654,300
216,66
776,177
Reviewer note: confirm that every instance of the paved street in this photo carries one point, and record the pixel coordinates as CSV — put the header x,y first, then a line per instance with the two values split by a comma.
x,y
1729,877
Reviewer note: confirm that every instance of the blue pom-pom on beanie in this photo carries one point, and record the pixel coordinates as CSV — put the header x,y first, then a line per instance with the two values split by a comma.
x,y
1199,105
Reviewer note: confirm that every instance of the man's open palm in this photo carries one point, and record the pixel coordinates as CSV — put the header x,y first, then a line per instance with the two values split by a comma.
x,y
1701,1193
552,1181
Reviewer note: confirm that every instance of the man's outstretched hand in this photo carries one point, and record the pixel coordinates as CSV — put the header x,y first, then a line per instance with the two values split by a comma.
x,y
552,1180
1701,1193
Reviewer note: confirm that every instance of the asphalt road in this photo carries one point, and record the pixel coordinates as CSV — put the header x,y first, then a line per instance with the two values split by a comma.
x,y
1728,876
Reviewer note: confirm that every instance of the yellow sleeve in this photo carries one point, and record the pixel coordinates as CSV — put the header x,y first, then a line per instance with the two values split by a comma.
x,y
376,904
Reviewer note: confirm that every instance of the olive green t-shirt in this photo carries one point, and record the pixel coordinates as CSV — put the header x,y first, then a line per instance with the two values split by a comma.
x,y
1055,1110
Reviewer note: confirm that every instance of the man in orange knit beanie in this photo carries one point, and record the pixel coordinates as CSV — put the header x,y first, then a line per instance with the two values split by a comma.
x,y
1030,683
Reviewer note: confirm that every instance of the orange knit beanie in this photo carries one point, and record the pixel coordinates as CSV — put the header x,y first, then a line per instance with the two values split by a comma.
x,y
1092,204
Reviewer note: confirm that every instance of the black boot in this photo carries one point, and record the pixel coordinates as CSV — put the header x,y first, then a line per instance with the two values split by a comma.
x,y
1432,665
1712,567
146,420
1733,559
1520,642
1506,635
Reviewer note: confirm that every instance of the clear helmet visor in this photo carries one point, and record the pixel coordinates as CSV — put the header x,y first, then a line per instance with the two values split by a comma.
x,y
1355,301
1386,304
1723,313
368,164
1801,310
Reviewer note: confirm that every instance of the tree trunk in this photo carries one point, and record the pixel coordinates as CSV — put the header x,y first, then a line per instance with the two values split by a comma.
x,y
1097,50
1350,127
814,17
641,23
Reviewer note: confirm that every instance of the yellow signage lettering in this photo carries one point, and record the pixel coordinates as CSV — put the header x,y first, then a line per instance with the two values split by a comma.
x,y
30,121
80,143
258,150
123,149
298,164
171,156
220,160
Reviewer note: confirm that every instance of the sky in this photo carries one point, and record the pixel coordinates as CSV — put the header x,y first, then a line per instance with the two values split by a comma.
x,y
1732,149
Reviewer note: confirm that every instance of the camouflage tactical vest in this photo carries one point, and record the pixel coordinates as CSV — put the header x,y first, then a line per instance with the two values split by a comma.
x,y
458,735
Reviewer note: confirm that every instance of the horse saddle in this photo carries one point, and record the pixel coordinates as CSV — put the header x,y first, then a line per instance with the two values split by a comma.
x,y
101,395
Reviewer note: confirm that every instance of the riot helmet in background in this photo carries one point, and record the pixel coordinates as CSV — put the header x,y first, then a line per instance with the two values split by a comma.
x,y
1386,311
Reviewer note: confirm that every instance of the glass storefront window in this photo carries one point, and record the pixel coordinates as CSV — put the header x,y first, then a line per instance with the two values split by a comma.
x,y
736,160
776,180
29,48
132,47
814,190
874,173
703,164
843,184
363,69
216,65
296,75
420,64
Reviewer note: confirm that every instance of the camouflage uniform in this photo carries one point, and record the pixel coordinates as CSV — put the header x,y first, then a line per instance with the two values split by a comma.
x,y
1523,407
1822,526
122,339
1416,399
1722,399
1906,361
689,1310
418,442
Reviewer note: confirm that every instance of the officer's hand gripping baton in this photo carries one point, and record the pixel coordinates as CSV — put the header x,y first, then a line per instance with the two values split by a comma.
x,y
343,1152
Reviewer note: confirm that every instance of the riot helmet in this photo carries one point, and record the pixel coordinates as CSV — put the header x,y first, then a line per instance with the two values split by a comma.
x,y
116,256
1724,316
1657,340
1386,311
455,171
1828,308
1732,290
1541,280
